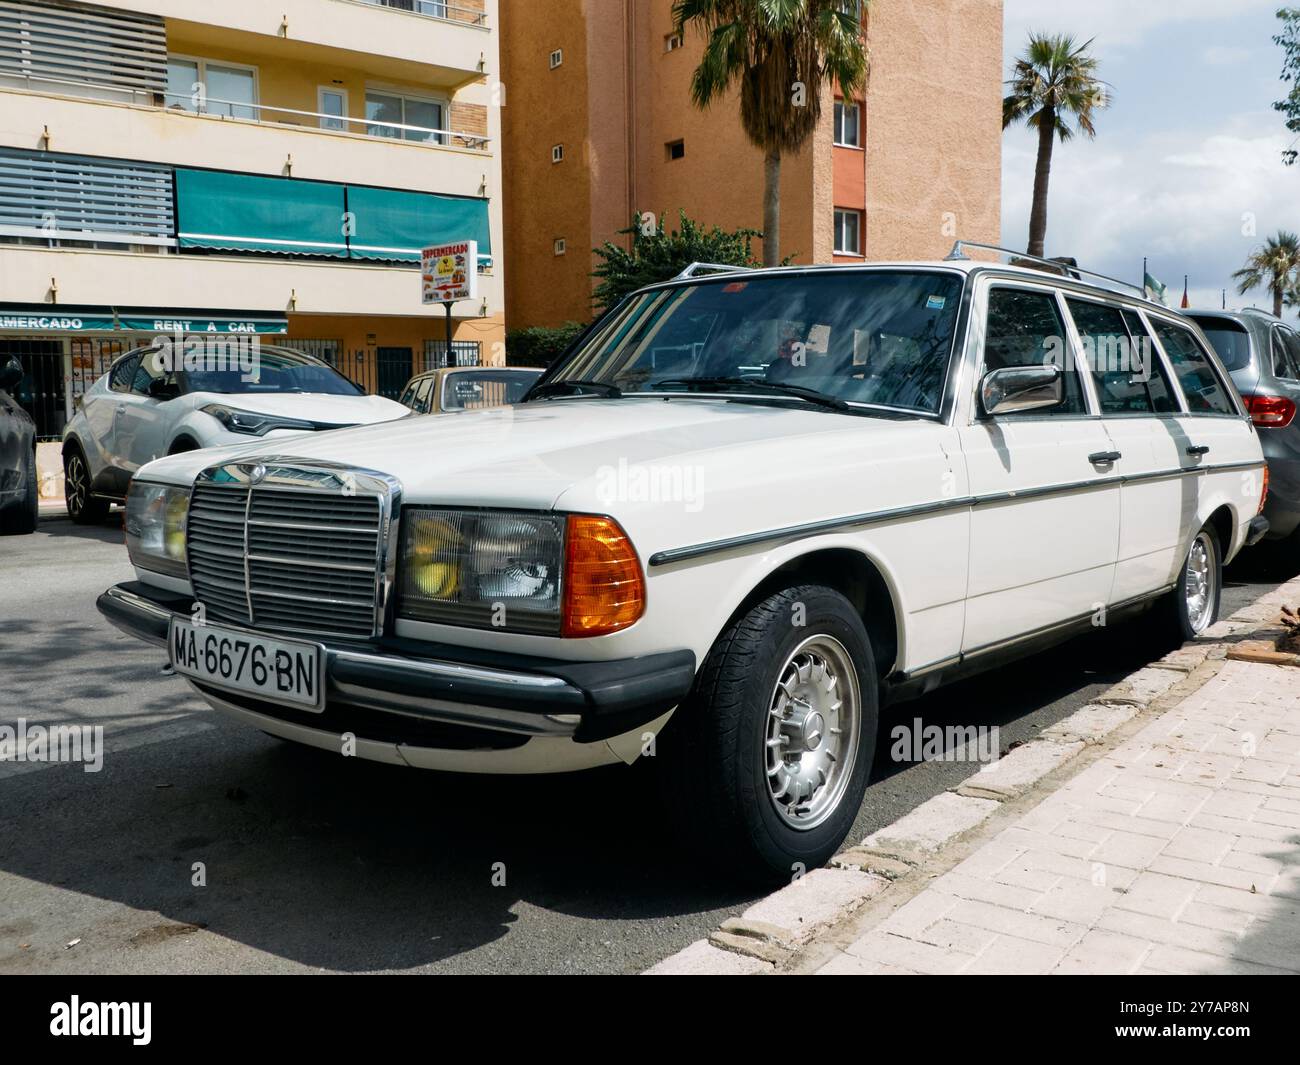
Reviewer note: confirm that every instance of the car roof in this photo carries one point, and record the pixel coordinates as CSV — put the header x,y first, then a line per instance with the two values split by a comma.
x,y
1067,276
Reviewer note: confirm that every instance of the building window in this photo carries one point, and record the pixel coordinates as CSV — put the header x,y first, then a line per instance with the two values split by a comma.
x,y
672,42
464,353
557,153
557,58
848,124
64,201
561,246
425,115
333,107
201,86
848,232
675,150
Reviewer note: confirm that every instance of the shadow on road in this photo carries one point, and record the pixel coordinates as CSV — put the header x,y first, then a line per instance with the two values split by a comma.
x,y
346,865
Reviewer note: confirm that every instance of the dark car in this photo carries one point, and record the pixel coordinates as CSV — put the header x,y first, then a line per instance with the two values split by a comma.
x,y
1263,355
18,487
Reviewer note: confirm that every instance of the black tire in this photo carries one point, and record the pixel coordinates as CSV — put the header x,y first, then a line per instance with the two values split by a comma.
x,y
83,508
1177,615
713,758
22,515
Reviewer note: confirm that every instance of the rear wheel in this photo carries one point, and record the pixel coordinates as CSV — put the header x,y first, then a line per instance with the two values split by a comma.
x,y
767,761
83,508
22,515
1193,605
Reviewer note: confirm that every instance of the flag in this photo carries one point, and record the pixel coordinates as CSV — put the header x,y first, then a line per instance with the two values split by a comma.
x,y
1186,301
1155,290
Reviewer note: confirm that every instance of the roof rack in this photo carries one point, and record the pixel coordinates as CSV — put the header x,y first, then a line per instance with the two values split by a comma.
x,y
1261,312
1064,267
695,268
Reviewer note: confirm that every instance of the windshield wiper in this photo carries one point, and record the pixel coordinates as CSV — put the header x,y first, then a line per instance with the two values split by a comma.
x,y
559,388
727,384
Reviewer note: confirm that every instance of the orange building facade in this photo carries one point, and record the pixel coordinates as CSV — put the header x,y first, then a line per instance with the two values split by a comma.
x,y
599,127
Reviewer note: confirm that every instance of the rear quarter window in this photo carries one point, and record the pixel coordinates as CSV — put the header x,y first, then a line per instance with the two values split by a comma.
x,y
1204,392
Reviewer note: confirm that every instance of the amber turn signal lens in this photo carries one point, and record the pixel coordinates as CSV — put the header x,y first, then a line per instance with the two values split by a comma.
x,y
1263,493
604,589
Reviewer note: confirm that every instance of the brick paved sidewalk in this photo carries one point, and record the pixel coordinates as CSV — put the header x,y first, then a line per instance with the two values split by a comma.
x,y
1176,852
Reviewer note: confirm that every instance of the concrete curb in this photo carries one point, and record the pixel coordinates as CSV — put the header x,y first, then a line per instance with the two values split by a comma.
x,y
767,937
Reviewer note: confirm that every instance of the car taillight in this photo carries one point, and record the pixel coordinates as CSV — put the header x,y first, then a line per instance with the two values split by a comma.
x,y
1270,412
604,589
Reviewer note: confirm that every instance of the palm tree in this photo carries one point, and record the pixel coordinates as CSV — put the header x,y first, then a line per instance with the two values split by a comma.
x,y
1274,266
783,53
1053,81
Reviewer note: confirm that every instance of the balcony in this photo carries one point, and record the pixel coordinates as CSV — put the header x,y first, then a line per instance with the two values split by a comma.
x,y
433,9
458,47
92,120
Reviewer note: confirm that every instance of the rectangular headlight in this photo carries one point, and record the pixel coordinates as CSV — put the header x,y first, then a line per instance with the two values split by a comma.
x,y
483,569
156,516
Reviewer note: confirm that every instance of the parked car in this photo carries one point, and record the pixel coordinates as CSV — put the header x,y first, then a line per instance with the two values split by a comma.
x,y
467,388
748,507
143,409
19,488
1262,353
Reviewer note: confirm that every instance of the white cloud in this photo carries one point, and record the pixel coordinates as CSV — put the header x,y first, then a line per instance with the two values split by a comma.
x,y
1120,23
1188,203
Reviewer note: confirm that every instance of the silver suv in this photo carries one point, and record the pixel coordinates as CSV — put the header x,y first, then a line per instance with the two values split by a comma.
x,y
1262,353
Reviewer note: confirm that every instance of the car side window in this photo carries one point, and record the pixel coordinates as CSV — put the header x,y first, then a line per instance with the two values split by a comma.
x,y
422,395
1201,386
1025,329
408,397
1286,348
1159,387
123,374
1115,360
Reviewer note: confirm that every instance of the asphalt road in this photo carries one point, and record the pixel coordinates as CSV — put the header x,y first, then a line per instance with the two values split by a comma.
x,y
313,862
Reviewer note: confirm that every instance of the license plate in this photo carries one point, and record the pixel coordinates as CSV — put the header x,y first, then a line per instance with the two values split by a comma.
x,y
279,671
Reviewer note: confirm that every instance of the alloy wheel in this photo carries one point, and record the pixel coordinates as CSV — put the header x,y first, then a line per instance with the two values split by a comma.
x,y
812,732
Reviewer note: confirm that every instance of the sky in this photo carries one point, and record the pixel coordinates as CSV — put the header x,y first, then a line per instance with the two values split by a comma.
x,y
1188,155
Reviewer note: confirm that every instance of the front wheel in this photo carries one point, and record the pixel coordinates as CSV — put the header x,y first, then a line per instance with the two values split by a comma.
x,y
767,761
1193,605
83,508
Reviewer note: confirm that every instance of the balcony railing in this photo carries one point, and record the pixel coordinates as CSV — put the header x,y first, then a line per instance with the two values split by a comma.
x,y
435,9
243,111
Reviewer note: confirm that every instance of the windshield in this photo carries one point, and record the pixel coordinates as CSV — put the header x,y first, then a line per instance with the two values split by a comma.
x,y
262,370
486,388
1230,340
881,338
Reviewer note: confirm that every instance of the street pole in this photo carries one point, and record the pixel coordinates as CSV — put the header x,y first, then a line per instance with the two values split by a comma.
x,y
448,361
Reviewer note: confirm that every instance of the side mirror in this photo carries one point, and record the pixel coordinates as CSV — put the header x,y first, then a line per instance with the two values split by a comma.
x,y
10,374
161,388
1020,388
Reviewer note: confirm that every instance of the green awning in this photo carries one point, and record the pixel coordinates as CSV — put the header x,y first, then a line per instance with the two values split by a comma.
x,y
168,322
245,212
54,320
393,225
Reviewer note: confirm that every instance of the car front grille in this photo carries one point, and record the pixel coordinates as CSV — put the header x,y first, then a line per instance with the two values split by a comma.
x,y
287,560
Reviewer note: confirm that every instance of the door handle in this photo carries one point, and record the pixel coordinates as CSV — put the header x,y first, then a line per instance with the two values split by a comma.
x,y
1197,450
1104,458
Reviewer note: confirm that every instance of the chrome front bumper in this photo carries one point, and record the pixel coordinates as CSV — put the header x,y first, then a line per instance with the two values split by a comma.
x,y
385,684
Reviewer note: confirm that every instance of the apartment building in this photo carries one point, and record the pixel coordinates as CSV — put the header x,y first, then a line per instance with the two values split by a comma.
x,y
601,127
244,167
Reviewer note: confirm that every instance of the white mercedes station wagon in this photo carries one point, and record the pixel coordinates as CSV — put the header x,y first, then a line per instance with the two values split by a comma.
x,y
742,512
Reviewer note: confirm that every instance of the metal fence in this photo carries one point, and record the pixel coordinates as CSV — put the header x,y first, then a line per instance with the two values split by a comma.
x,y
464,353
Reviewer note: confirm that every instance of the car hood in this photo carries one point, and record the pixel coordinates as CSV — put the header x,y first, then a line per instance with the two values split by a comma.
x,y
588,453
312,406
